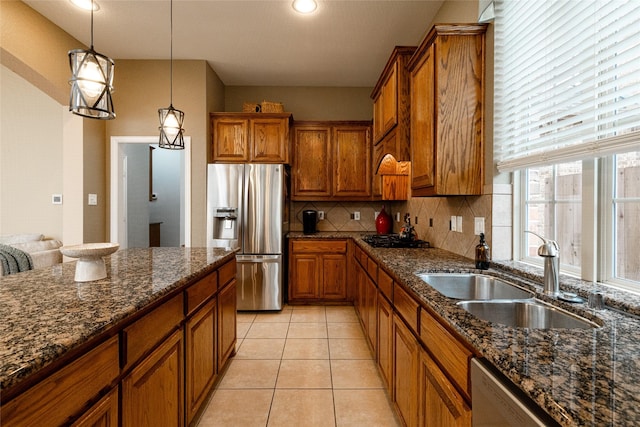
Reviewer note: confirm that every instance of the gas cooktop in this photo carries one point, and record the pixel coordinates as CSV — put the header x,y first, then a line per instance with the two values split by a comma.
x,y
393,241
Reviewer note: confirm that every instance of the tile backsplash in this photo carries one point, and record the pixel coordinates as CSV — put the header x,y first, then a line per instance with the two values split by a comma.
x,y
433,219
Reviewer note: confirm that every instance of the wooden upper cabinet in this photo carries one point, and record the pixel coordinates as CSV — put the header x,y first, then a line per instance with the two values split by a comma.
x,y
331,161
447,104
311,167
250,137
351,161
391,97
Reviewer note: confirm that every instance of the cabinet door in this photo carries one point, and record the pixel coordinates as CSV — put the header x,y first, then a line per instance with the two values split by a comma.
x,y
269,140
334,280
390,100
351,162
230,140
372,313
305,276
378,118
439,402
102,414
152,394
227,308
422,123
200,355
311,168
385,341
405,373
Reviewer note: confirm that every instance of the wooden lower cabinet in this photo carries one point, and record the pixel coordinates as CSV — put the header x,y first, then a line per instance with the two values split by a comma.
x,y
440,404
227,323
385,341
103,414
200,357
152,393
406,353
318,270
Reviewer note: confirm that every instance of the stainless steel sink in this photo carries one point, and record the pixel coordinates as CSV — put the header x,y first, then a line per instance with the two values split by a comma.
x,y
526,314
473,286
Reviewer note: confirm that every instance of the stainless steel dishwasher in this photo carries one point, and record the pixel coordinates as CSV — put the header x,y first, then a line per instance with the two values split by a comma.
x,y
495,404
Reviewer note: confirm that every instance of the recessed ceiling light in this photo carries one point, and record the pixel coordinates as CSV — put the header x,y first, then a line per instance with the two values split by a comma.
x,y
86,4
304,6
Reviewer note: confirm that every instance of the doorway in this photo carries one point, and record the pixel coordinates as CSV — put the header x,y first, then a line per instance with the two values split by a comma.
x,y
150,193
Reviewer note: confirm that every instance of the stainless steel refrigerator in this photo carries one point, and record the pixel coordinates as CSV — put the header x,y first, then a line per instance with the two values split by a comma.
x,y
245,207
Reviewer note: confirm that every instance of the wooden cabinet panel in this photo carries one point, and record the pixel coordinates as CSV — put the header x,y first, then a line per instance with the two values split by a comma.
x,y
334,280
371,302
141,336
316,246
447,350
103,414
385,342
439,402
227,307
67,391
270,139
331,161
311,165
447,103
231,139
406,306
199,292
390,100
385,284
351,162
200,357
405,373
152,394
305,276
226,273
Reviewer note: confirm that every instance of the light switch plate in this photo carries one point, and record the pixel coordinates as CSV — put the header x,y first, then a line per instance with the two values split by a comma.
x,y
356,216
454,223
478,225
56,199
459,224
92,199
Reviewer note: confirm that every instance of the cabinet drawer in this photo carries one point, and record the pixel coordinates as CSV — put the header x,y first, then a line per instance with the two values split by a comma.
x,y
67,391
447,350
406,306
226,273
145,333
372,269
385,284
201,291
321,246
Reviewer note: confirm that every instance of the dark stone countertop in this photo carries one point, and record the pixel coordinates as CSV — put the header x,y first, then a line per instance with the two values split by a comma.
x,y
580,377
46,314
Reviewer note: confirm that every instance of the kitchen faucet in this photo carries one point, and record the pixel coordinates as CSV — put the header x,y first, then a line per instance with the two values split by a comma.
x,y
550,251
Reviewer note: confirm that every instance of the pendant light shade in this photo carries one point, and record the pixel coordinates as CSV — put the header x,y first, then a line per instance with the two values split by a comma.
x,y
171,131
91,83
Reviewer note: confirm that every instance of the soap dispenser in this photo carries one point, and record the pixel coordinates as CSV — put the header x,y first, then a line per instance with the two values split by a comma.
x,y
483,254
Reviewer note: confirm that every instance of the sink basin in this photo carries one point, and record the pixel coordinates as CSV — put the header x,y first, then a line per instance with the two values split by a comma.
x,y
525,314
474,287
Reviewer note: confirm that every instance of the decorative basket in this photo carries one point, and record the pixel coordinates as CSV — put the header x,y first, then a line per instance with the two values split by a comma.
x,y
272,107
251,107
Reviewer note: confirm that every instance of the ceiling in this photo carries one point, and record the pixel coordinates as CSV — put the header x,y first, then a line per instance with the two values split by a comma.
x,y
345,43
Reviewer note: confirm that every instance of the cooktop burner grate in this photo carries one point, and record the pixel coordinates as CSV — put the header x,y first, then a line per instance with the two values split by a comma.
x,y
392,241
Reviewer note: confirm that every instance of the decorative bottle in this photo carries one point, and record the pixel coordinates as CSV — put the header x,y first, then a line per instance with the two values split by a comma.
x,y
383,222
483,254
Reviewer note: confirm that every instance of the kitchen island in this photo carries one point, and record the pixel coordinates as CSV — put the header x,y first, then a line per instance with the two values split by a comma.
x,y
147,302
579,377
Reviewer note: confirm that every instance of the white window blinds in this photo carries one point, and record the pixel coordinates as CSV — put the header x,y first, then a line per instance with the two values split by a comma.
x,y
567,80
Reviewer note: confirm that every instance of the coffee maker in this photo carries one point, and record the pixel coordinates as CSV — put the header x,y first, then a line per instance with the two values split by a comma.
x,y
309,221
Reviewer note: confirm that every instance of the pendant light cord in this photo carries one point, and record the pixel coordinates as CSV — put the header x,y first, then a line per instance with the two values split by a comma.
x,y
171,55
91,24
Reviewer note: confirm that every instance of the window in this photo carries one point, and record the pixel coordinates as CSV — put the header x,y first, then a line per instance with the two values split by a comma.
x,y
567,123
554,211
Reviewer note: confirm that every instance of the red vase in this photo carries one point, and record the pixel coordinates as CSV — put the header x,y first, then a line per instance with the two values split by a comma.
x,y
383,222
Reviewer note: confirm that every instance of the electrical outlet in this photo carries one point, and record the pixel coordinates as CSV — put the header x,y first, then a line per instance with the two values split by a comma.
x,y
454,223
397,216
459,224
478,225
321,215
356,216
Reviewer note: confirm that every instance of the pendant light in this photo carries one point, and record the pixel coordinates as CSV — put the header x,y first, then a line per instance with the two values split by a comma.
x,y
171,131
91,82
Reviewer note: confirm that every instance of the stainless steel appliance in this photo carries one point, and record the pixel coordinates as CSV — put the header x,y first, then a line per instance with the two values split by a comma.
x,y
494,402
245,206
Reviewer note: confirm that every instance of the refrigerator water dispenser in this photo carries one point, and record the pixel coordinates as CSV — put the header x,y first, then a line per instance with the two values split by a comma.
x,y
225,226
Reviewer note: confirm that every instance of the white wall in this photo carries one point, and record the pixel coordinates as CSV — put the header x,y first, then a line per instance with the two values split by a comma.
x,y
167,185
137,195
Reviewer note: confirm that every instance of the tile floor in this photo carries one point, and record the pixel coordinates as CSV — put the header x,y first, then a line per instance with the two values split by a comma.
x,y
305,366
